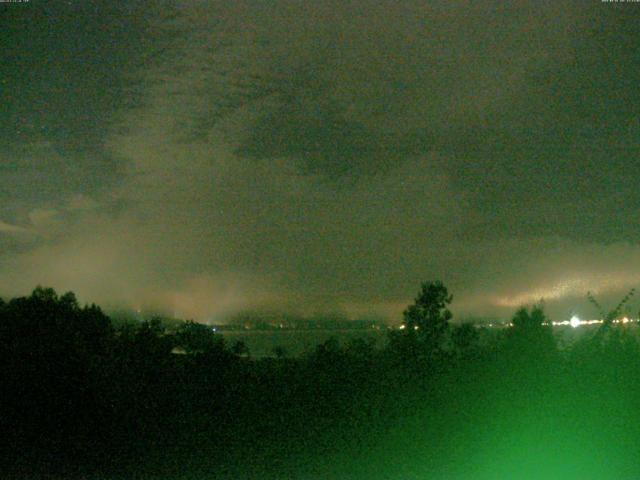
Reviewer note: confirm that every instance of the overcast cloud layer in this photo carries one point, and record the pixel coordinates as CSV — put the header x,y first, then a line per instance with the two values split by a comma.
x,y
211,157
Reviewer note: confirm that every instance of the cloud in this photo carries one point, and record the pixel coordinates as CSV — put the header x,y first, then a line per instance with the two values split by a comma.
x,y
43,218
331,156
12,229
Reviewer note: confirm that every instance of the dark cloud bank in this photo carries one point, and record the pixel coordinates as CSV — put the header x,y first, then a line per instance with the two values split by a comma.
x,y
211,157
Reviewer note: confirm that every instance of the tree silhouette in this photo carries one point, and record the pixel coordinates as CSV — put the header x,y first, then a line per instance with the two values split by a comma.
x,y
531,332
464,339
198,338
523,320
611,315
609,340
426,323
150,340
240,349
60,323
279,351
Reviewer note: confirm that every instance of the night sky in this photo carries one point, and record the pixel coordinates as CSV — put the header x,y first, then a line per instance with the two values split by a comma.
x,y
206,158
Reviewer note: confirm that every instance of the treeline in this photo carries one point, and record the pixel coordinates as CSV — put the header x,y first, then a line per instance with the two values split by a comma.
x,y
84,399
273,321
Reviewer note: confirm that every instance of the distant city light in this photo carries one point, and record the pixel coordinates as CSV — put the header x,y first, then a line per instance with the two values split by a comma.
x,y
573,322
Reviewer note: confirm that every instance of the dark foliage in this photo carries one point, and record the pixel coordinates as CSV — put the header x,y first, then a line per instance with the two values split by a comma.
x,y
425,326
84,400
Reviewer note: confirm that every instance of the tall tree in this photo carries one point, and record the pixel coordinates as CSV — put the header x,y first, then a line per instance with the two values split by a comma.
x,y
531,333
426,322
